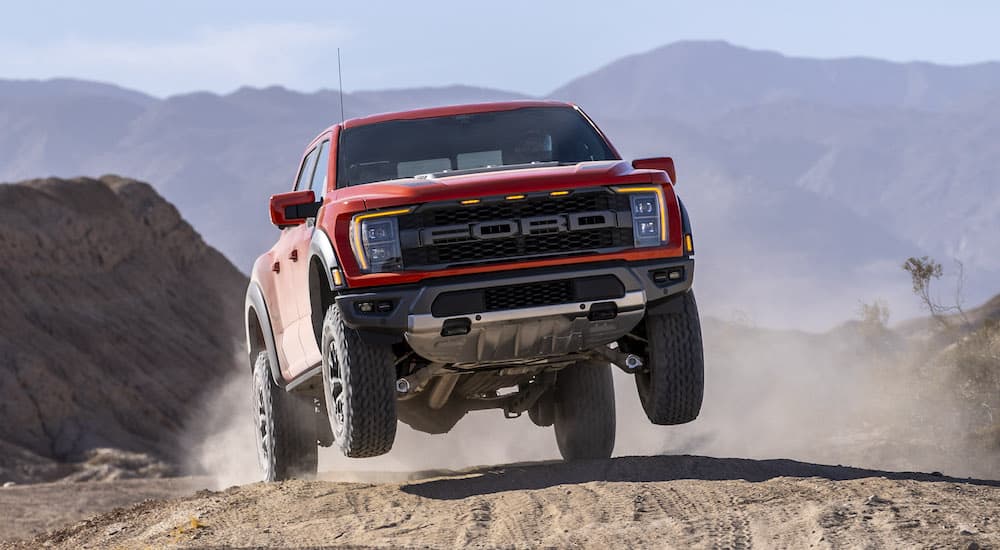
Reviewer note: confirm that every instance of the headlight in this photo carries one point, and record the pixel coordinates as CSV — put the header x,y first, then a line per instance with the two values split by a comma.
x,y
649,217
375,240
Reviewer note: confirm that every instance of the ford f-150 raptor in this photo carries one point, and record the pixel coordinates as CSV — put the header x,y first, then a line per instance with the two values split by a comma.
x,y
492,256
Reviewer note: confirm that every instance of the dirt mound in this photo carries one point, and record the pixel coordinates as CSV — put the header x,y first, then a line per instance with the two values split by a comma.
x,y
678,501
117,316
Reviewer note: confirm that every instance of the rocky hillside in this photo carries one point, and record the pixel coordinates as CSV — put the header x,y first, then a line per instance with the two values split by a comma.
x,y
116,318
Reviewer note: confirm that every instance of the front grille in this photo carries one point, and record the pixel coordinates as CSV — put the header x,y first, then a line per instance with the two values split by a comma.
x,y
544,293
456,246
514,247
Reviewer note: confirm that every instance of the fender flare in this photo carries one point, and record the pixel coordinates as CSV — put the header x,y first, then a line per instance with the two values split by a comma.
x,y
321,248
685,220
322,289
255,302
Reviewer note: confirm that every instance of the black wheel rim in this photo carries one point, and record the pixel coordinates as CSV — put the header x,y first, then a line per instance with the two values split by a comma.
x,y
336,398
264,427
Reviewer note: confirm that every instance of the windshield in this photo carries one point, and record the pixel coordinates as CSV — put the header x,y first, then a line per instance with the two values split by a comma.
x,y
408,148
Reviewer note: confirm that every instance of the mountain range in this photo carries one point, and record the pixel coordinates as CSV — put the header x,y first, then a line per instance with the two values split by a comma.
x,y
808,180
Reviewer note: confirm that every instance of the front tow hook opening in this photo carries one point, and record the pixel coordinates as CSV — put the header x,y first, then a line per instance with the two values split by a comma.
x,y
456,327
603,311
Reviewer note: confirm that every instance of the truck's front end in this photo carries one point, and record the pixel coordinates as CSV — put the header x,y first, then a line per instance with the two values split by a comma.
x,y
502,249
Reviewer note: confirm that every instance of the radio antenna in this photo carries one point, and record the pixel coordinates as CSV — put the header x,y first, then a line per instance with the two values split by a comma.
x,y
340,85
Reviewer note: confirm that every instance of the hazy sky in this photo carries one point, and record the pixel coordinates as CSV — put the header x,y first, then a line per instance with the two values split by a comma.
x,y
526,46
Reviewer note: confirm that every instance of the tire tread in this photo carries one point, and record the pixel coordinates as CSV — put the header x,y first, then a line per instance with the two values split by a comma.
x,y
294,429
677,366
371,429
584,411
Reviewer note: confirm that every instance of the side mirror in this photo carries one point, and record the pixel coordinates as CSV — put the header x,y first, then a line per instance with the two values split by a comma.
x,y
293,208
657,163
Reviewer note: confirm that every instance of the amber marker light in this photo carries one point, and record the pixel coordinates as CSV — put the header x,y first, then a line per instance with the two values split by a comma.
x,y
359,251
659,198
689,243
515,197
338,279
559,193
467,202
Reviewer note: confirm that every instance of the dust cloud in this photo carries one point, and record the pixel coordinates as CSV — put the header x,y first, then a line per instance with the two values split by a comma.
x,y
220,434
858,395
848,396
222,443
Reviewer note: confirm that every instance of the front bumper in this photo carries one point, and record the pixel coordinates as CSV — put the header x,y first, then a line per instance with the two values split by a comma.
x,y
474,334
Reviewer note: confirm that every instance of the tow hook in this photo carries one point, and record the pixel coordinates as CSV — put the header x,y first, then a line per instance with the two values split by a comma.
x,y
628,362
408,386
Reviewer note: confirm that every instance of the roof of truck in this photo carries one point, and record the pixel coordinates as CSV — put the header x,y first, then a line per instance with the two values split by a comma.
x,y
450,110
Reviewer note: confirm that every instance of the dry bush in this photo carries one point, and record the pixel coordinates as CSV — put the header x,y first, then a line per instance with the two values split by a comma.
x,y
922,272
875,314
873,327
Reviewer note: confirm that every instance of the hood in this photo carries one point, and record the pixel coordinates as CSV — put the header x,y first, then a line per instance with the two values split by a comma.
x,y
409,191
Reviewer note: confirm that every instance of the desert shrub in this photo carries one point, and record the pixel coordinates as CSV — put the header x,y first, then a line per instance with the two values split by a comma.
x,y
922,272
873,327
875,314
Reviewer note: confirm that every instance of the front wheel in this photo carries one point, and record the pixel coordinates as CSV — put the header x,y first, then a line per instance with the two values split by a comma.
x,y
359,387
673,384
285,427
584,411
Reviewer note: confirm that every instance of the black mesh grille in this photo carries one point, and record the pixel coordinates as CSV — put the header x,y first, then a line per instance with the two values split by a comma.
x,y
531,295
531,245
545,243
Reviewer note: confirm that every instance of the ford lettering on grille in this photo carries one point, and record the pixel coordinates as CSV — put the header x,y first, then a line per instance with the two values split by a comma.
x,y
536,225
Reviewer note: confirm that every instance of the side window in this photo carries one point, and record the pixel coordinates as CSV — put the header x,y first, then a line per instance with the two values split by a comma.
x,y
305,171
322,168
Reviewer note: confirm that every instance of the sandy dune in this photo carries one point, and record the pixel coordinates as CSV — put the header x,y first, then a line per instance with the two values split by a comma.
x,y
666,501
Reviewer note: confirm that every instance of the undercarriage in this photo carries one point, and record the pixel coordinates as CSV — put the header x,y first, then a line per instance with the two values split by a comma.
x,y
514,387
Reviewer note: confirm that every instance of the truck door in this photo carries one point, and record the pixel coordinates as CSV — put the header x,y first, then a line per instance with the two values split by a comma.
x,y
300,272
287,261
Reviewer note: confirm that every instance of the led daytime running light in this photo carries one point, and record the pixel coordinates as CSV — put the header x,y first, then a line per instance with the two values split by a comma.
x,y
660,199
359,250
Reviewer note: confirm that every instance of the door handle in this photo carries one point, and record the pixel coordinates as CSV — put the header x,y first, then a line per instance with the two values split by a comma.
x,y
294,256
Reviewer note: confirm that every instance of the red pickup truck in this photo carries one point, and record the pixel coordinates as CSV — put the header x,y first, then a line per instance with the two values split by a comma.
x,y
491,256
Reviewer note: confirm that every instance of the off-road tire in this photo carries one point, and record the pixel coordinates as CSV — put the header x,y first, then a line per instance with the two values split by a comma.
x,y
584,411
285,427
365,423
672,384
